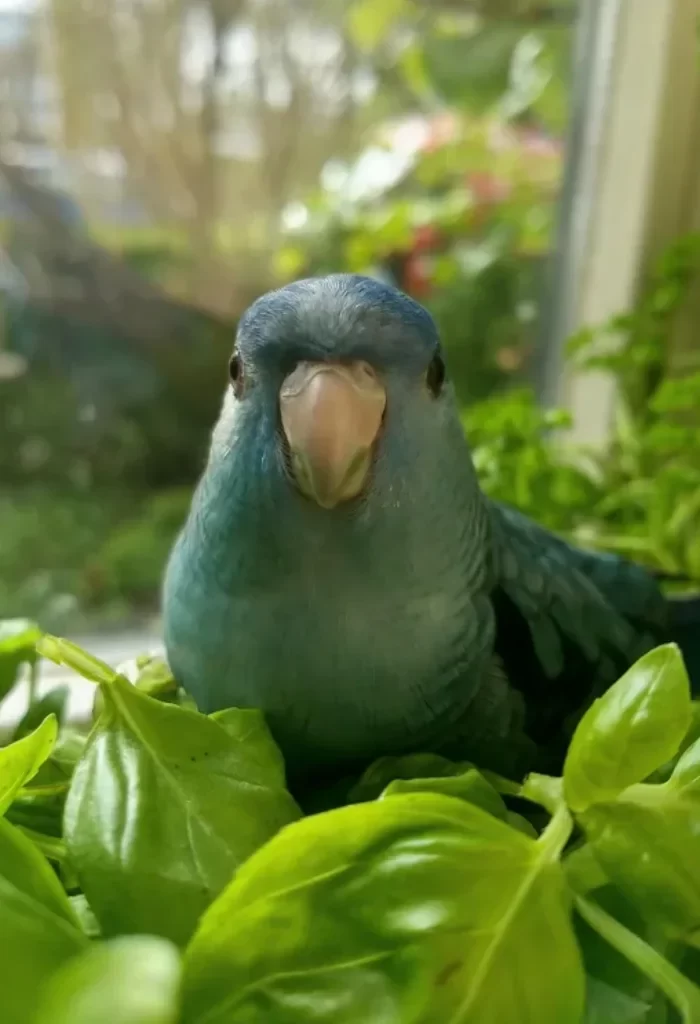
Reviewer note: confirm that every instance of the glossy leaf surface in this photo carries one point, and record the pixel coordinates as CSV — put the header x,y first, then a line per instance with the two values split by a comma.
x,y
21,760
38,930
132,980
471,786
385,770
417,908
18,638
163,807
648,843
633,729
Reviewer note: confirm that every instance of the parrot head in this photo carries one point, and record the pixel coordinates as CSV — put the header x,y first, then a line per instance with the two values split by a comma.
x,y
338,382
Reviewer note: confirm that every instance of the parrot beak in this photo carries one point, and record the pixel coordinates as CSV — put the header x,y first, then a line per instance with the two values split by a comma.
x,y
331,415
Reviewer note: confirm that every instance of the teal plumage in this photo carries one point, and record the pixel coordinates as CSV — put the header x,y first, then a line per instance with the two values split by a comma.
x,y
369,598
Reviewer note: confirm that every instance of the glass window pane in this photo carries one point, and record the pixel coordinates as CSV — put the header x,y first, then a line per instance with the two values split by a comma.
x,y
166,163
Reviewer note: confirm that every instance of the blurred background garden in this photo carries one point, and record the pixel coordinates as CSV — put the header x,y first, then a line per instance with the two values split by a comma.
x,y
527,169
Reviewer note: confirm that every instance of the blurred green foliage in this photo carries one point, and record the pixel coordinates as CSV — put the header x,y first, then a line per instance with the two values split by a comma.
x,y
640,495
471,246
105,434
77,559
465,225
129,564
47,539
464,221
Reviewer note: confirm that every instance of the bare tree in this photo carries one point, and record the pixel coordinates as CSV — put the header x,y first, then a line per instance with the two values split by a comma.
x,y
221,111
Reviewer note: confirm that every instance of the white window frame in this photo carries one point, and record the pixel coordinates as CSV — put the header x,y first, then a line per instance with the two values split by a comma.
x,y
631,183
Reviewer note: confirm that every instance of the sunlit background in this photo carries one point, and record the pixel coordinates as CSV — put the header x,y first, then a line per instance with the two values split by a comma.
x,y
525,169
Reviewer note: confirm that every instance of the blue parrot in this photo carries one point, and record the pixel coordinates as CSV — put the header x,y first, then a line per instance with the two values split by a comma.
x,y
341,570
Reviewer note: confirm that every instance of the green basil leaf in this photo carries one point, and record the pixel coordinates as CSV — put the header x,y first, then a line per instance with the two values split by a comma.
x,y
25,868
83,912
149,674
651,851
677,988
636,726
163,807
52,703
131,980
18,639
39,805
617,992
471,786
417,908
583,871
21,760
58,768
249,728
608,1005
648,841
385,770
155,678
38,931
40,809
686,774
664,773
521,824
52,847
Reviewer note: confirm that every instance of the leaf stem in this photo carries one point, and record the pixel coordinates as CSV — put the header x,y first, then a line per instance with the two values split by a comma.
x,y
545,790
52,848
675,986
63,652
557,833
502,785
33,681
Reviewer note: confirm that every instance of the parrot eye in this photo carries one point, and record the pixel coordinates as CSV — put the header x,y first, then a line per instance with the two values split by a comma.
x,y
235,372
435,376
